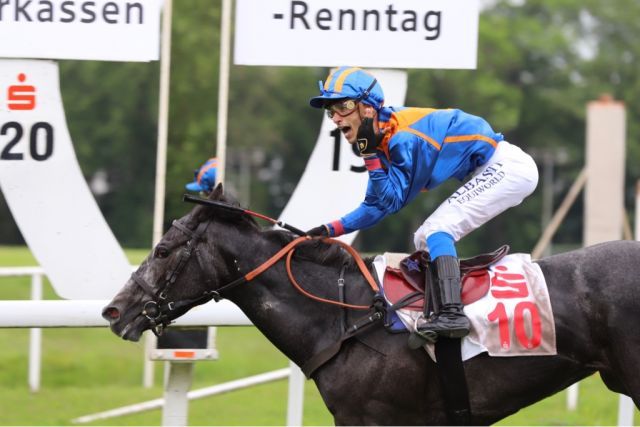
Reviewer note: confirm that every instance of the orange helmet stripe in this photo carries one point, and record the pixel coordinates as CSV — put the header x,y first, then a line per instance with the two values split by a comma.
x,y
213,164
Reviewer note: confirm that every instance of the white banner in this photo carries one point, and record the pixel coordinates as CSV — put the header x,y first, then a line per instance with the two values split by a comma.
x,y
335,179
372,33
105,30
44,187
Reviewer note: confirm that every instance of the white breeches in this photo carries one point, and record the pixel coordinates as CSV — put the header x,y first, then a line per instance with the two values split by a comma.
x,y
504,181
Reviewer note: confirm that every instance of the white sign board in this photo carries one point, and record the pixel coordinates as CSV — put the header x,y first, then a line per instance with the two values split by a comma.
x,y
371,33
44,187
335,179
106,30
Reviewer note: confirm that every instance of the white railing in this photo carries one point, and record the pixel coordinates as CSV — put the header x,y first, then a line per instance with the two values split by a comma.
x,y
87,313
35,334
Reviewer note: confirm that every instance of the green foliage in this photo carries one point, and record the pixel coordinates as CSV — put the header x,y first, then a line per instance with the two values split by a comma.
x,y
539,63
111,112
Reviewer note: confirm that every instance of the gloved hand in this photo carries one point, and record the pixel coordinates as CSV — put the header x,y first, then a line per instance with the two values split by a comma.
x,y
368,140
320,230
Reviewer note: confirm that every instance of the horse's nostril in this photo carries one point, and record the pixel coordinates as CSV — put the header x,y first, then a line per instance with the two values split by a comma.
x,y
111,313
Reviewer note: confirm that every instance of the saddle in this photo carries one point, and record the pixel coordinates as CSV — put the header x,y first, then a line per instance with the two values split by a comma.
x,y
409,277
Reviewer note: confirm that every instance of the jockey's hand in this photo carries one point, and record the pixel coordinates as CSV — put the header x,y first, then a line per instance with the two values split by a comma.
x,y
320,230
367,138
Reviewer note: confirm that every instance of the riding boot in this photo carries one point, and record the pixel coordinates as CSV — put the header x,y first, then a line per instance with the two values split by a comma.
x,y
450,321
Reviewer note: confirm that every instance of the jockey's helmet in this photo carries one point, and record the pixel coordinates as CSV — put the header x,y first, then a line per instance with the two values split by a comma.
x,y
204,177
352,83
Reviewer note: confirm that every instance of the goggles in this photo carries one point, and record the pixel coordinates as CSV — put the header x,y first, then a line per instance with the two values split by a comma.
x,y
342,108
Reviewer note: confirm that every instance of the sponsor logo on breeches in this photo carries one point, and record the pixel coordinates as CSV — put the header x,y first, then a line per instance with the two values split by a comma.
x,y
480,183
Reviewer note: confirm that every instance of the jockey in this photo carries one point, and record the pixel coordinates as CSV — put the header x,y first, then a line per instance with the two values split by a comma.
x,y
407,150
204,177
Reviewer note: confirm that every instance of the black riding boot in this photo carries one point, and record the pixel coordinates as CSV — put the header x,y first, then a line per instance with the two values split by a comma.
x,y
450,322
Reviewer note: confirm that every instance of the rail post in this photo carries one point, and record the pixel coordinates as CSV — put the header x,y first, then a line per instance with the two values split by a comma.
x,y
35,338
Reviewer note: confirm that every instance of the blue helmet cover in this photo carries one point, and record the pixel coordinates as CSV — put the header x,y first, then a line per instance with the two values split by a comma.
x,y
349,82
204,177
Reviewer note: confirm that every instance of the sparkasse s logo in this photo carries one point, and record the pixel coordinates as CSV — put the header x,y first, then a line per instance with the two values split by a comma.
x,y
21,96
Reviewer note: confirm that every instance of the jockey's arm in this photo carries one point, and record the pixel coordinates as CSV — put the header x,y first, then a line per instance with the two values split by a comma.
x,y
407,172
364,216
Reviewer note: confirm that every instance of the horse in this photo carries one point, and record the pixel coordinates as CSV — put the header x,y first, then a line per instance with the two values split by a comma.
x,y
375,378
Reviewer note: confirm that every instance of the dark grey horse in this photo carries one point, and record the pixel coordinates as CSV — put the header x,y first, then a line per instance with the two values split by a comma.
x,y
376,378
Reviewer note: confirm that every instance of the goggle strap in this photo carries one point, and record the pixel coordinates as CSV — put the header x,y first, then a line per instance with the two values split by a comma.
x,y
365,94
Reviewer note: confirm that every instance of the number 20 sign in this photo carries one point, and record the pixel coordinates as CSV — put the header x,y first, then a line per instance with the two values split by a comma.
x,y
39,137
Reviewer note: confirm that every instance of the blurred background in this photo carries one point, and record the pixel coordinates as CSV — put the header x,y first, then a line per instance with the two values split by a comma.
x,y
539,63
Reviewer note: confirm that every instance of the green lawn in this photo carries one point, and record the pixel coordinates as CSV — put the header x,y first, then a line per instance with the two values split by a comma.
x,y
90,370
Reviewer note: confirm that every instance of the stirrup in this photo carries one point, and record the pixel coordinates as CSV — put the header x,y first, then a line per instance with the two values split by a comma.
x,y
454,333
418,339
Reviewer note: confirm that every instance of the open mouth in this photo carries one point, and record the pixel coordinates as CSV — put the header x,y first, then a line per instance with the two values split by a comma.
x,y
346,130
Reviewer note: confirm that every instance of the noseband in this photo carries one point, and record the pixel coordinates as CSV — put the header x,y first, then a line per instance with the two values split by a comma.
x,y
158,309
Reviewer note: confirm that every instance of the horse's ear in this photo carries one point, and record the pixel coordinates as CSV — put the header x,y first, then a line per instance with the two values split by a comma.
x,y
217,192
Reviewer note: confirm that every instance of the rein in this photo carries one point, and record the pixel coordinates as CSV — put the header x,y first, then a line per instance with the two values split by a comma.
x,y
289,250
363,269
159,312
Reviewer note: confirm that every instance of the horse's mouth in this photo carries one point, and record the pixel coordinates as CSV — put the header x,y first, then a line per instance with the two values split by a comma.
x,y
133,330
127,322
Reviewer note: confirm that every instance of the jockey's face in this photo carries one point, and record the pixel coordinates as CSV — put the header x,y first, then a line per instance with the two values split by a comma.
x,y
350,122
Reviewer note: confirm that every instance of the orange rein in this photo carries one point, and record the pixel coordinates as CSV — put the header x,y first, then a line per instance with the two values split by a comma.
x,y
290,248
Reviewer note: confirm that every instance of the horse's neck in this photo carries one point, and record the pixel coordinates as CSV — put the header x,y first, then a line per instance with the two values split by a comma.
x,y
293,323
296,324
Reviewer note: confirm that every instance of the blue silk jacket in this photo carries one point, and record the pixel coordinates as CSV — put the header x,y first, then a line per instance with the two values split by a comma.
x,y
422,148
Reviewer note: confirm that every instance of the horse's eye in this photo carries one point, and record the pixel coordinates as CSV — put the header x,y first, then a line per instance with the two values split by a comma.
x,y
161,252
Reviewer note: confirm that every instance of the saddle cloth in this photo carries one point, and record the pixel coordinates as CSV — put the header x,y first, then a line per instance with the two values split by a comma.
x,y
508,306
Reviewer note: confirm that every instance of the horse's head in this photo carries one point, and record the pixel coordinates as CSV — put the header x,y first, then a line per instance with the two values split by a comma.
x,y
182,271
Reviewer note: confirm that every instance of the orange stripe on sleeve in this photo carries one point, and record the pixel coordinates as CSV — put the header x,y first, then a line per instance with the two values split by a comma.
x,y
423,136
476,137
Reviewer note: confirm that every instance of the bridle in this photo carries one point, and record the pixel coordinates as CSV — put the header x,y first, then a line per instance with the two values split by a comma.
x,y
158,310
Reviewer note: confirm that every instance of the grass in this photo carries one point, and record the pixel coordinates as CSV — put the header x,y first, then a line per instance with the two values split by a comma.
x,y
90,370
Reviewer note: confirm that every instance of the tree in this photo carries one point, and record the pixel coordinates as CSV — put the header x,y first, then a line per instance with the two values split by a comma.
x,y
539,63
